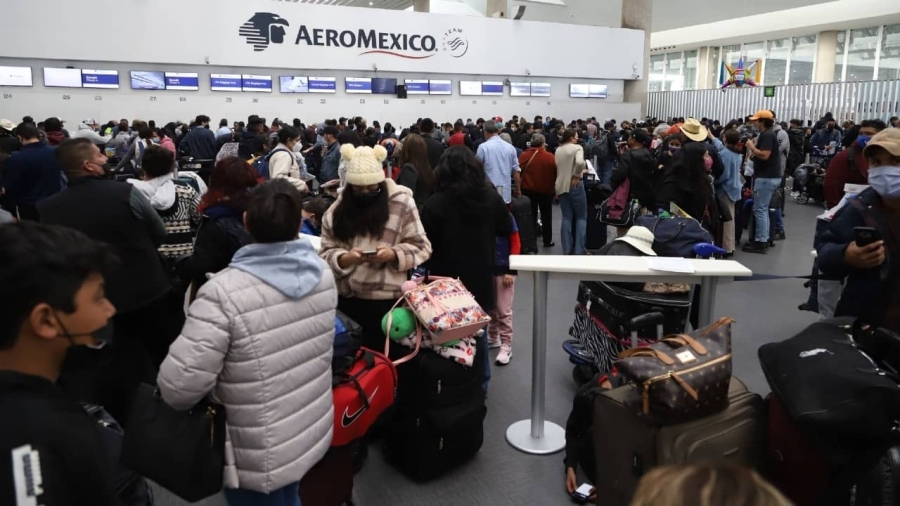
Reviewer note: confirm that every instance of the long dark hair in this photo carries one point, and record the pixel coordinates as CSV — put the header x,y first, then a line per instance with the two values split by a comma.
x,y
460,172
415,152
352,218
230,182
689,165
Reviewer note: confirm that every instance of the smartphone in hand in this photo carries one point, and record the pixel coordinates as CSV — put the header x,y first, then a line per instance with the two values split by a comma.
x,y
370,253
866,235
582,493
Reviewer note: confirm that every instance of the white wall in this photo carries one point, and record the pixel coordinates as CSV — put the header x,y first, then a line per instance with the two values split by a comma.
x,y
203,32
41,102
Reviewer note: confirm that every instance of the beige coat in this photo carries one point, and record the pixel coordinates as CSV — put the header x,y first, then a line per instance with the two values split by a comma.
x,y
569,164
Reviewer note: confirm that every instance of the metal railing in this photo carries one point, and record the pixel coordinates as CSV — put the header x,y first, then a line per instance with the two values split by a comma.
x,y
847,101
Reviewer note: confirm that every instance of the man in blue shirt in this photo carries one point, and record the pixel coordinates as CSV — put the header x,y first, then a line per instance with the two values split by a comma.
x,y
32,174
500,162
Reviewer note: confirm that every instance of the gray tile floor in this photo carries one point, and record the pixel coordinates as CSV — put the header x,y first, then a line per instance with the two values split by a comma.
x,y
765,311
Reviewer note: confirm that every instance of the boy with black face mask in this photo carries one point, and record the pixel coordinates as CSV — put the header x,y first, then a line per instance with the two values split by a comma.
x,y
51,291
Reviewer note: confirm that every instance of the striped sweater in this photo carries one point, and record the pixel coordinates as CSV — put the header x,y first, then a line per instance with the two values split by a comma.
x,y
403,233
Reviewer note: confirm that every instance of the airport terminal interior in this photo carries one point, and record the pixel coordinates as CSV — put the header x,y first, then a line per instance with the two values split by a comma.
x,y
300,76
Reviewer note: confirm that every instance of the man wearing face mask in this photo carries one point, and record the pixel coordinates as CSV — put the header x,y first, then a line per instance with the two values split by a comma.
x,y
52,294
828,137
766,177
871,289
119,215
850,166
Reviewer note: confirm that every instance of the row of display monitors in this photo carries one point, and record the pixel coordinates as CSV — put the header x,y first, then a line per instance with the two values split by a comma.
x,y
187,81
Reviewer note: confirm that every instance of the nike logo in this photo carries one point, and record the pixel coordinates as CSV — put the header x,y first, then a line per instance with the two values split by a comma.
x,y
348,419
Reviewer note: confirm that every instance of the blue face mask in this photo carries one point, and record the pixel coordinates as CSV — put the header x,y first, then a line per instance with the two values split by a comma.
x,y
885,181
862,140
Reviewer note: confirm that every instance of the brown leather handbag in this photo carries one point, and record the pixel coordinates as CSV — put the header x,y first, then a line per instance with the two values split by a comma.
x,y
684,376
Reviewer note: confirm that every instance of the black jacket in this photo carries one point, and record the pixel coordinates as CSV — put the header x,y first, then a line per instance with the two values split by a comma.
x,y
409,177
199,143
221,234
638,165
862,290
435,150
691,199
101,209
48,440
463,231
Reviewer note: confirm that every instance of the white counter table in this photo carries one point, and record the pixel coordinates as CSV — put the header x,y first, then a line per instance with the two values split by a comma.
x,y
540,437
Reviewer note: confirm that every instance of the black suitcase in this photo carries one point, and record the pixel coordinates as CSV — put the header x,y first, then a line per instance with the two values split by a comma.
x,y
881,487
432,381
596,231
425,443
330,481
521,211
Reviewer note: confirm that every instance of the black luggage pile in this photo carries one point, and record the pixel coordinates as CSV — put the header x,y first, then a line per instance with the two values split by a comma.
x,y
596,194
836,389
440,412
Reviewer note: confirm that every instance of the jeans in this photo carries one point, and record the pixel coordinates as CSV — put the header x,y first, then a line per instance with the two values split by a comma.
x,y
763,188
289,495
779,220
482,350
544,202
605,170
573,206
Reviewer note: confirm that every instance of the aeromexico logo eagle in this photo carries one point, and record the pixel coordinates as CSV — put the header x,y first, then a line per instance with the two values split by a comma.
x,y
266,28
262,29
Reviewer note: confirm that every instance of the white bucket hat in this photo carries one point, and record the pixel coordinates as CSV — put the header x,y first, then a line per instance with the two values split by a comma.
x,y
641,238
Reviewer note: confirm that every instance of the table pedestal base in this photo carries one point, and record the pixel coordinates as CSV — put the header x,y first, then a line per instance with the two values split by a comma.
x,y
519,436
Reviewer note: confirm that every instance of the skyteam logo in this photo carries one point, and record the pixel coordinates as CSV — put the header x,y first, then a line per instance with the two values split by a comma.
x,y
262,29
456,43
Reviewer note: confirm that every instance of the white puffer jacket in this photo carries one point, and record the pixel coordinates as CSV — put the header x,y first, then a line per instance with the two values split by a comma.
x,y
259,337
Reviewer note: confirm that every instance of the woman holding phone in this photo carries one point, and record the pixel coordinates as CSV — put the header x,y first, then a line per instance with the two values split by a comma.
x,y
371,238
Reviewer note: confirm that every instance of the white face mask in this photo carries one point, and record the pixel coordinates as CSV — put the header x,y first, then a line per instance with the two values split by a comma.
x,y
885,181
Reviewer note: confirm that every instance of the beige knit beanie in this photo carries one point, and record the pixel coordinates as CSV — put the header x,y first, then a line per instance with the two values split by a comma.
x,y
364,164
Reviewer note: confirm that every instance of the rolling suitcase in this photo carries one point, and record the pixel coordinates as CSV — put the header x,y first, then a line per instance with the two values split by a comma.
x,y
330,481
425,443
596,193
432,381
794,464
439,420
628,445
520,207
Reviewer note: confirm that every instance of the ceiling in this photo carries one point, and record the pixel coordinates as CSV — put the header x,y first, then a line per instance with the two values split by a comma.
x,y
667,14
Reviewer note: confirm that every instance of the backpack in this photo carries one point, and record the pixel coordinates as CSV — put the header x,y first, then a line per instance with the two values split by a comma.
x,y
600,148
347,341
674,237
261,164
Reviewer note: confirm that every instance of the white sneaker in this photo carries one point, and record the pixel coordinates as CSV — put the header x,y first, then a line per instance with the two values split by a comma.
x,y
505,355
795,194
493,343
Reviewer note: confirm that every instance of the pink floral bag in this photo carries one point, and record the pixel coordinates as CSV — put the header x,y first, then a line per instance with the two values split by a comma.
x,y
445,309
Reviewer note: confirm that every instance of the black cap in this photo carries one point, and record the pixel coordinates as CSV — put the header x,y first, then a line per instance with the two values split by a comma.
x,y
641,136
330,130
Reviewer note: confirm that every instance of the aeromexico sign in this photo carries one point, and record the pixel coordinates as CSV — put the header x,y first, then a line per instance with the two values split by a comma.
x,y
266,28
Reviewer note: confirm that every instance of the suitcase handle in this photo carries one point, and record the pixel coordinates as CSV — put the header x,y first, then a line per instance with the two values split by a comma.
x,y
647,352
686,340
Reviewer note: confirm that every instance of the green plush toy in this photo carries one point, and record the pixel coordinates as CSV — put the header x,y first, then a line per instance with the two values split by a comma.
x,y
403,323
